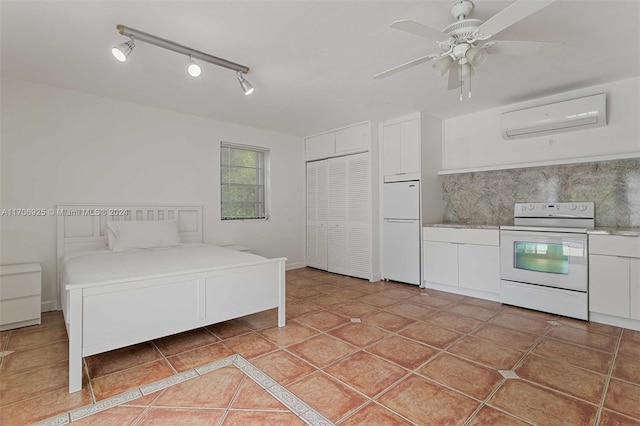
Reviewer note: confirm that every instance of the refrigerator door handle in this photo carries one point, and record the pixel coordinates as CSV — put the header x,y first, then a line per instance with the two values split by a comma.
x,y
400,220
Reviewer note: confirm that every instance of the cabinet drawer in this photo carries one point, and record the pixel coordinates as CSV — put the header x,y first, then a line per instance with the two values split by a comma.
x,y
17,310
488,237
19,285
614,245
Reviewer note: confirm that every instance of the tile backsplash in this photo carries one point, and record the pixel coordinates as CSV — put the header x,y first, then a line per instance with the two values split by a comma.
x,y
488,197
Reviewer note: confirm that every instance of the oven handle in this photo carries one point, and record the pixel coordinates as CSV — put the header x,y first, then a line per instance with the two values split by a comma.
x,y
543,234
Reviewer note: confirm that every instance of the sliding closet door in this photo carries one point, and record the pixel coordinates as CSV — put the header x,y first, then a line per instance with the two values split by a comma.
x,y
358,216
337,215
317,214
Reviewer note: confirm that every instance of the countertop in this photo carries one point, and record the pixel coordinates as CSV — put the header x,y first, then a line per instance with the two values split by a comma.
x,y
460,225
598,230
613,230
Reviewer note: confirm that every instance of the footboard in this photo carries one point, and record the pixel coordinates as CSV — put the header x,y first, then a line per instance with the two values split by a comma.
x,y
103,317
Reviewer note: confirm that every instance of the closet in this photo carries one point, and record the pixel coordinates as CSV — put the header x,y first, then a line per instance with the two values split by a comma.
x,y
339,237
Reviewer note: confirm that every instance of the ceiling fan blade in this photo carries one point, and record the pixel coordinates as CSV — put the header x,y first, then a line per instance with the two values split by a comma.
x,y
512,14
454,77
409,64
525,48
412,27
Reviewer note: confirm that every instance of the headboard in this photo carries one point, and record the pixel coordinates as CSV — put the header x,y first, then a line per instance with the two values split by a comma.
x,y
81,226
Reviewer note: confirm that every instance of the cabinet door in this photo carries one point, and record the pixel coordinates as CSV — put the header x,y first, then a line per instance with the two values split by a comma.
x,y
355,138
320,145
317,214
391,151
440,262
337,215
338,260
479,267
634,287
410,146
609,285
358,216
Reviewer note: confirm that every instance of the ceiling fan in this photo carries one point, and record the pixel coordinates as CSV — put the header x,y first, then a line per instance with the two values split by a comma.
x,y
464,44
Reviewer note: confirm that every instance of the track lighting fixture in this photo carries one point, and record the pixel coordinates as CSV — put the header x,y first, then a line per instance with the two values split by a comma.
x,y
192,68
247,88
122,51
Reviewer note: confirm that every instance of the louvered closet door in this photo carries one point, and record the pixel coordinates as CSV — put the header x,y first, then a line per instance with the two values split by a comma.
x,y
337,216
317,214
358,216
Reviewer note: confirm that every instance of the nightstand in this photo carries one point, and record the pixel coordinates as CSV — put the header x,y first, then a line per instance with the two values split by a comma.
x,y
20,295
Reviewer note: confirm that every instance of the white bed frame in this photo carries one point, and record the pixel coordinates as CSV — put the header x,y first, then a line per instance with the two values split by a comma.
x,y
109,315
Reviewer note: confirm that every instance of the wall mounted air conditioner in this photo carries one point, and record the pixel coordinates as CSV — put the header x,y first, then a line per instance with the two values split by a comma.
x,y
566,116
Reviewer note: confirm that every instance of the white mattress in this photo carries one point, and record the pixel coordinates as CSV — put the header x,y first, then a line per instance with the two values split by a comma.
x,y
101,266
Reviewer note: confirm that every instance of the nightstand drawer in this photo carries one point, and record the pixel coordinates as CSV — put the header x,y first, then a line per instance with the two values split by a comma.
x,y
20,295
20,285
18,310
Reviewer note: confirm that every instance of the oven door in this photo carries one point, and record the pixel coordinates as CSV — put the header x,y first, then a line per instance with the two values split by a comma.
x,y
544,258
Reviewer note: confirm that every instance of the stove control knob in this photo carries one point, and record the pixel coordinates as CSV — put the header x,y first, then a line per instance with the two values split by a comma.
x,y
573,207
531,206
523,207
583,208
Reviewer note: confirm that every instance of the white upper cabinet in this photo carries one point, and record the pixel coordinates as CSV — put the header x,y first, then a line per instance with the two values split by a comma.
x,y
349,140
320,146
352,139
401,149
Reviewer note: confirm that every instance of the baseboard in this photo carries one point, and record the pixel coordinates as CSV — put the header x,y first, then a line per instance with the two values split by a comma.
x,y
48,305
462,291
296,265
376,277
615,321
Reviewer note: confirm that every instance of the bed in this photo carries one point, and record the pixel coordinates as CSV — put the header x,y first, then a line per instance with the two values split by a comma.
x,y
112,299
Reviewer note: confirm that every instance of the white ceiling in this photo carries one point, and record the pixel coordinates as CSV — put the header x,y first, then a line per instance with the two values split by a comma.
x,y
312,62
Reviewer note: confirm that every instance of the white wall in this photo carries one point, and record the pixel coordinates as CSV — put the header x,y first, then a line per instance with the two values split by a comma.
x,y
63,146
431,155
475,140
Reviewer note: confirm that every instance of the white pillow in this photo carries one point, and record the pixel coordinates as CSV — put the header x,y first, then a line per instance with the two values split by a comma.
x,y
124,235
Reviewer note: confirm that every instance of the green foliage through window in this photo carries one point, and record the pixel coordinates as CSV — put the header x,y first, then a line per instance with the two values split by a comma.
x,y
243,186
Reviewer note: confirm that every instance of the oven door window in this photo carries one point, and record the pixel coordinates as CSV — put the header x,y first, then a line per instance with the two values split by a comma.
x,y
541,257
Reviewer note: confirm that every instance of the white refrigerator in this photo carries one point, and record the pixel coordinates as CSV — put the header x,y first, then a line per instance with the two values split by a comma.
x,y
401,232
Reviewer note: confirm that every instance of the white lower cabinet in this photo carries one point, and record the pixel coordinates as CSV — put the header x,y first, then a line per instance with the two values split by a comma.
x,y
614,275
479,267
462,258
440,262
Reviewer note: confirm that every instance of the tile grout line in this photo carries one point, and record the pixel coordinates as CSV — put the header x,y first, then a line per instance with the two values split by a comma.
x,y
605,389
245,366
232,400
131,394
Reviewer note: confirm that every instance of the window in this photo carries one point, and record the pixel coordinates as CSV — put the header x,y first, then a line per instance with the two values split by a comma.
x,y
243,181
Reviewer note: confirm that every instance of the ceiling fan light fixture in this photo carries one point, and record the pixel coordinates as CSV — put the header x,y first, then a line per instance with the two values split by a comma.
x,y
122,51
476,56
247,88
192,68
442,65
465,71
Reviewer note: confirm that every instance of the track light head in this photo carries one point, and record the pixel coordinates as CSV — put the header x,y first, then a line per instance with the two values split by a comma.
x,y
122,51
192,68
247,88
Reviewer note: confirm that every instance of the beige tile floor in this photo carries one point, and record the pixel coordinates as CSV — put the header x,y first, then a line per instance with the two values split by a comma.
x,y
355,353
